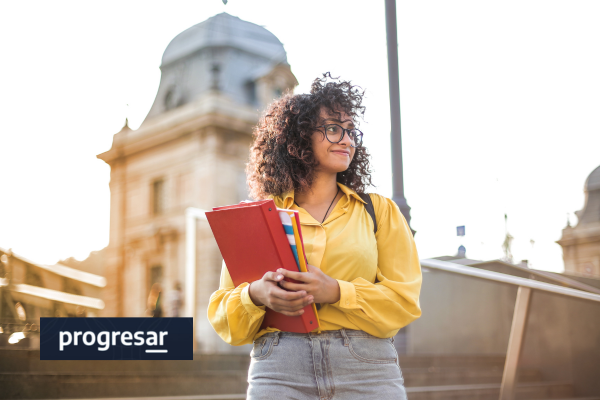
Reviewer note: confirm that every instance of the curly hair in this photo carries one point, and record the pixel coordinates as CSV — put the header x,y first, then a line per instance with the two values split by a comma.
x,y
281,157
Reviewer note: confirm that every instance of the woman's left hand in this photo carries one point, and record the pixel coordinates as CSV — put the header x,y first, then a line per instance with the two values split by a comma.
x,y
315,282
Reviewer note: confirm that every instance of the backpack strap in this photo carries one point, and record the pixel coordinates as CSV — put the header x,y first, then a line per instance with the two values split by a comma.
x,y
370,209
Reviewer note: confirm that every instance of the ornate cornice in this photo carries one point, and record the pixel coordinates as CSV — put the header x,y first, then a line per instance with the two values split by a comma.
x,y
213,110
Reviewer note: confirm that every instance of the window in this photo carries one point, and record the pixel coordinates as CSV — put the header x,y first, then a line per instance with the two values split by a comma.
x,y
155,275
158,196
251,92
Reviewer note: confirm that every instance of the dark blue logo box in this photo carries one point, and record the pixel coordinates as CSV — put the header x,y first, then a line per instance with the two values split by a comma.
x,y
116,339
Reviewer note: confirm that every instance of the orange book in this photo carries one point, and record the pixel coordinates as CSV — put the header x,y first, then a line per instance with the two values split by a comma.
x,y
302,256
252,241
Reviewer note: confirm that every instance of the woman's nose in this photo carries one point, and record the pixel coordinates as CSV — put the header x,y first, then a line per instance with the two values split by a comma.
x,y
346,140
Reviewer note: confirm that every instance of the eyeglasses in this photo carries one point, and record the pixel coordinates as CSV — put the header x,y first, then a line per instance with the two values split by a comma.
x,y
335,133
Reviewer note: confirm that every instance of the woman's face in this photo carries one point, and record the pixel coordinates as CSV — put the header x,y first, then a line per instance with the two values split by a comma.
x,y
332,157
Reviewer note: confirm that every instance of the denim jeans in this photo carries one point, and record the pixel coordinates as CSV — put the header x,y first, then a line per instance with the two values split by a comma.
x,y
332,365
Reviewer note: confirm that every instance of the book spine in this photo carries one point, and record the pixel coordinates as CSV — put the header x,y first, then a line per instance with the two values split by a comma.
x,y
303,267
286,257
288,227
278,236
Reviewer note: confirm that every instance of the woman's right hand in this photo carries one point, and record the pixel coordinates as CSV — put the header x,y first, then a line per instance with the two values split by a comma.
x,y
266,291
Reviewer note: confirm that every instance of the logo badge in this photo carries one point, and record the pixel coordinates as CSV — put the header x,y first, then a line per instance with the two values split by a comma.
x,y
116,338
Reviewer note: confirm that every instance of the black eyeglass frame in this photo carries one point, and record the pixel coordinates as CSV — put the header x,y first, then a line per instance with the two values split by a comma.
x,y
359,136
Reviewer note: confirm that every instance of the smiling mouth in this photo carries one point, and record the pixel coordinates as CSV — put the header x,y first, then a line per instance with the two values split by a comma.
x,y
346,153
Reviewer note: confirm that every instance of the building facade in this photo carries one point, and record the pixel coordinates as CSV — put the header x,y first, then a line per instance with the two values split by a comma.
x,y
190,151
581,243
30,291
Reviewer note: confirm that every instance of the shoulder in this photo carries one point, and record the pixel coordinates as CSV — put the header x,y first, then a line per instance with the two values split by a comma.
x,y
382,205
387,212
389,216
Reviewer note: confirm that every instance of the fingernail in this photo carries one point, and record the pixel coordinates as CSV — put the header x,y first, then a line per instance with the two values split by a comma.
x,y
301,312
279,276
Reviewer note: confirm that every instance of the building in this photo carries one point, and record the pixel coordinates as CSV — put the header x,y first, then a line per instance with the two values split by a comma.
x,y
190,151
30,290
581,243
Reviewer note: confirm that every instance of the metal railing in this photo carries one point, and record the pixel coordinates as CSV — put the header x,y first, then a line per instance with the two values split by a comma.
x,y
517,330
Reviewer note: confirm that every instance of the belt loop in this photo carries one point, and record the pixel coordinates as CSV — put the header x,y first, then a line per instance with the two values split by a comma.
x,y
276,339
345,336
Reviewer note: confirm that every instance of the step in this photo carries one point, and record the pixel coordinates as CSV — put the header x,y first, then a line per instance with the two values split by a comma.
x,y
35,386
579,398
198,397
434,376
237,397
48,385
454,392
545,390
525,391
419,377
29,361
23,375
461,361
24,360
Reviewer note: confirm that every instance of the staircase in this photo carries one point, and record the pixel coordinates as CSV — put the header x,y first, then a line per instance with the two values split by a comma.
x,y
221,377
473,378
24,376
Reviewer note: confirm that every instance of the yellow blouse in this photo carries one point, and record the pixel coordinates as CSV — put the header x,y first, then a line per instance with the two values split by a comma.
x,y
379,275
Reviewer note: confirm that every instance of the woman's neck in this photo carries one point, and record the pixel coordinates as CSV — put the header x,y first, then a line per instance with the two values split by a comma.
x,y
322,190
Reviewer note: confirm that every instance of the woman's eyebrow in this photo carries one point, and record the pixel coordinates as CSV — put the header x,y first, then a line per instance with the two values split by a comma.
x,y
338,121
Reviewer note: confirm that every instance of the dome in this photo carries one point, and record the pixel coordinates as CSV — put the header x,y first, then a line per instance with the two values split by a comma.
x,y
591,209
224,54
224,30
593,181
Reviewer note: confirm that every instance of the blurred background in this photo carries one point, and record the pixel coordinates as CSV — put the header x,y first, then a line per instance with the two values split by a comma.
x,y
121,121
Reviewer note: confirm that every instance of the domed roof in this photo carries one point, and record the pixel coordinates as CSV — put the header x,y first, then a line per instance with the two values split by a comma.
x,y
224,30
222,55
593,181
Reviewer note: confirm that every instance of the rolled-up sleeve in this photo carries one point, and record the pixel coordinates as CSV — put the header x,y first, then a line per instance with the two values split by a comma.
x,y
392,302
232,313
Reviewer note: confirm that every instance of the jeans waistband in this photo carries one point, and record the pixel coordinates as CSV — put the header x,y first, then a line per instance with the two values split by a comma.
x,y
342,333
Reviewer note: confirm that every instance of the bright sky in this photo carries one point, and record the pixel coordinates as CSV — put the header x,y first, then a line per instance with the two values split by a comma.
x,y
499,107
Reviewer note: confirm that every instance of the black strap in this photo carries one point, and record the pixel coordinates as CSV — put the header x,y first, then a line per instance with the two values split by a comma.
x,y
370,209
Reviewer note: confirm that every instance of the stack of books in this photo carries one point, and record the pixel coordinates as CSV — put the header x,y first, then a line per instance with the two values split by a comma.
x,y
257,237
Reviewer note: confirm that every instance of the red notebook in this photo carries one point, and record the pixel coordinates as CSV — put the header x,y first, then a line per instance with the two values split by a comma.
x,y
252,241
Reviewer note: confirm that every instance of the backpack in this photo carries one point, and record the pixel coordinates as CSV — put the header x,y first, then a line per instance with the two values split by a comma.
x,y
370,209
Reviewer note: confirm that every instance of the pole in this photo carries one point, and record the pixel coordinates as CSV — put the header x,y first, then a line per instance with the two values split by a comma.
x,y
515,344
396,134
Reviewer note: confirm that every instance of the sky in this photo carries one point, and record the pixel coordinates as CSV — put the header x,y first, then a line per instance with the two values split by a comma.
x,y
499,105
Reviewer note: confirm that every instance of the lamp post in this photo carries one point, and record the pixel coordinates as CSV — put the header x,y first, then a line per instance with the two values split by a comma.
x,y
396,137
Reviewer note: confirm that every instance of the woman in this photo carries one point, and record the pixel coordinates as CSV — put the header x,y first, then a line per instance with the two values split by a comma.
x,y
308,156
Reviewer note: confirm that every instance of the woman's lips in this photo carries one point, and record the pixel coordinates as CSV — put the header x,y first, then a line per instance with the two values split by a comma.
x,y
344,153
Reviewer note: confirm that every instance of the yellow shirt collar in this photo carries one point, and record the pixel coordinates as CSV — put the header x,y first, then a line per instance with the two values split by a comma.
x,y
286,200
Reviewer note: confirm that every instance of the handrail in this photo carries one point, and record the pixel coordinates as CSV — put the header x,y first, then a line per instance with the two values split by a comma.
x,y
519,322
504,278
555,278
63,270
55,295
